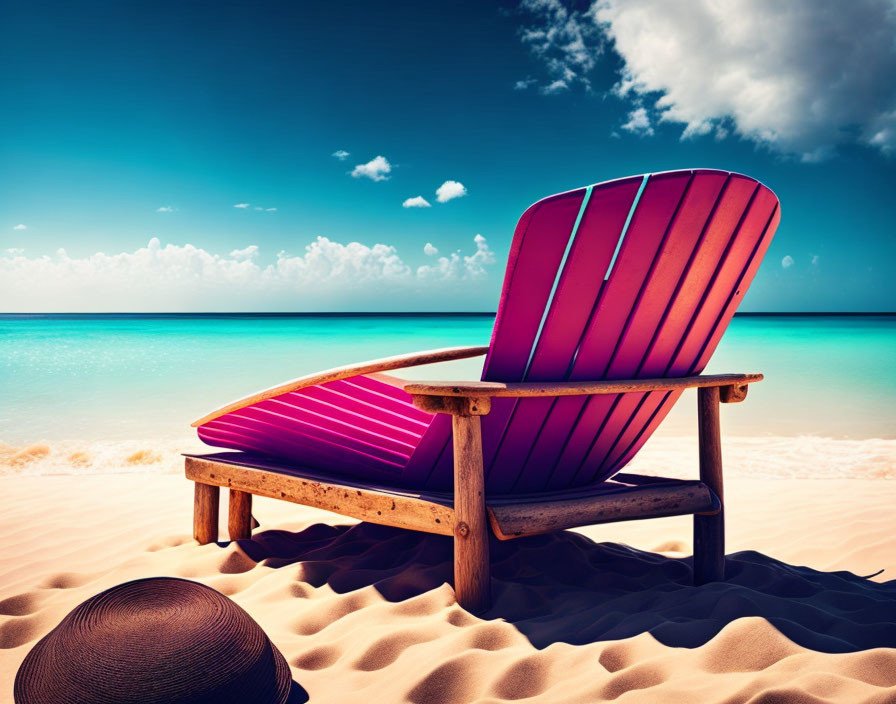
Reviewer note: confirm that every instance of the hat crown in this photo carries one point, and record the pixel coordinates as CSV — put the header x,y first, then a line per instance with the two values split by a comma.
x,y
154,640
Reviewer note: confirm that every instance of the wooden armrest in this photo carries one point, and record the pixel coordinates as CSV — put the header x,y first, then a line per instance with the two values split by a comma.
x,y
402,361
734,386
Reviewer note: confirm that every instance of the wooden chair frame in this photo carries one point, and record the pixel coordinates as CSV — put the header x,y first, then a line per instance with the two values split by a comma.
x,y
469,515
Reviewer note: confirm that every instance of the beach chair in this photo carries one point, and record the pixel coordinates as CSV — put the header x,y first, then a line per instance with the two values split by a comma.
x,y
614,298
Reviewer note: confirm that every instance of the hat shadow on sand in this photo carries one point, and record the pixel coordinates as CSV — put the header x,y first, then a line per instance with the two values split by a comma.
x,y
567,588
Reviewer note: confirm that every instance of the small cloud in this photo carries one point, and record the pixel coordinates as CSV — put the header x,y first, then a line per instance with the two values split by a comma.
x,y
241,205
557,86
814,259
416,202
450,190
787,261
429,250
249,252
460,267
524,84
18,251
639,123
258,207
376,169
20,226
342,155
270,210
165,209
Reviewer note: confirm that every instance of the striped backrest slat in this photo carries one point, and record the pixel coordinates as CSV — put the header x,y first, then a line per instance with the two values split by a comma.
x,y
538,245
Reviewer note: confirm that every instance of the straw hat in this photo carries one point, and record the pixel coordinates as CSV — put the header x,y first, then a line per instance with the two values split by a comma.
x,y
152,641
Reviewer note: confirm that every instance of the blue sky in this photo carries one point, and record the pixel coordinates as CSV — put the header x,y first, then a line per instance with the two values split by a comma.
x,y
131,130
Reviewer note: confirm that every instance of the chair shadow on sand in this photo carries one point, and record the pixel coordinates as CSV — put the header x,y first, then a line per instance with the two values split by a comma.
x,y
566,588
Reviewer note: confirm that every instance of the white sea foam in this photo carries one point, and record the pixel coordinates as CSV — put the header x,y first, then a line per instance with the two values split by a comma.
x,y
774,457
100,457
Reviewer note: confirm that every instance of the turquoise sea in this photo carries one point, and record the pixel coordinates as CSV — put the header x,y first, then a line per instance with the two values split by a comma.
x,y
78,385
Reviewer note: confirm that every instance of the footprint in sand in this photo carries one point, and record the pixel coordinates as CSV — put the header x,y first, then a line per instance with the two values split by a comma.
x,y
22,629
321,618
66,580
490,636
618,656
384,651
641,676
317,658
448,683
20,604
523,679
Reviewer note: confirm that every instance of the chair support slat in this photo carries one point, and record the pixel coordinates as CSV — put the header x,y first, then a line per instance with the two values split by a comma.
x,y
639,502
364,504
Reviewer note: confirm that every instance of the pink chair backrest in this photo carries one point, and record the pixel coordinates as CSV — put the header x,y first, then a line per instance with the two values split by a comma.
x,y
633,278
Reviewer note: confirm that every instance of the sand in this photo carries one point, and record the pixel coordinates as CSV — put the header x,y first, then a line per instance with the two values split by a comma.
x,y
363,613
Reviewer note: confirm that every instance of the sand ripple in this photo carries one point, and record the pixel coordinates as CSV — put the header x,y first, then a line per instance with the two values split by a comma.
x,y
363,612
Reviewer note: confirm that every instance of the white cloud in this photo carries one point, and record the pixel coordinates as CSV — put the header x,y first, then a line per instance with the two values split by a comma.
x,y
241,205
258,207
457,267
270,210
800,77
415,202
342,155
20,226
638,122
557,86
814,259
787,261
524,84
567,41
450,190
249,252
327,276
15,251
377,169
430,250
165,209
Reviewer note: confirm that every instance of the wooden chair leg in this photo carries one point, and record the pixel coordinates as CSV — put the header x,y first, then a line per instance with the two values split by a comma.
x,y
205,513
472,574
239,515
709,530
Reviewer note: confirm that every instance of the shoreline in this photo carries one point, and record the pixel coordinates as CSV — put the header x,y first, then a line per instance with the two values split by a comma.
x,y
744,456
